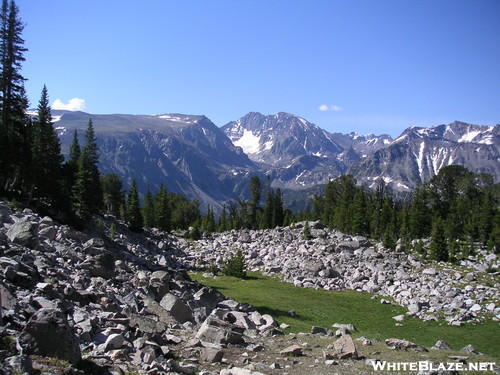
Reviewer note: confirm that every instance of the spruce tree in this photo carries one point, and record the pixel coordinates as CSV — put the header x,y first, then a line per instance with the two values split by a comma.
x,y
15,142
255,192
134,214
278,212
113,195
47,157
148,210
162,209
222,223
87,190
438,248
359,216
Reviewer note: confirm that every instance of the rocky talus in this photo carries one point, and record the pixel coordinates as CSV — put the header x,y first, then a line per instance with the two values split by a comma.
x,y
112,299
108,301
335,261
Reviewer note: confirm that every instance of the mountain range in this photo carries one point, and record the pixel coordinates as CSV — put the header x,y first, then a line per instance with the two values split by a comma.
x,y
193,156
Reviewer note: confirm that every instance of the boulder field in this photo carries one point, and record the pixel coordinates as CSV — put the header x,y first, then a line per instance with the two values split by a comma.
x,y
124,302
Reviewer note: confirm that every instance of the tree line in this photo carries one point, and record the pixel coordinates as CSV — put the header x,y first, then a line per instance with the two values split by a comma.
x,y
455,208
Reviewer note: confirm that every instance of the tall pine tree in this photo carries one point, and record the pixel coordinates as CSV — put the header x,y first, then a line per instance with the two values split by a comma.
x,y
134,214
113,195
47,158
15,153
87,191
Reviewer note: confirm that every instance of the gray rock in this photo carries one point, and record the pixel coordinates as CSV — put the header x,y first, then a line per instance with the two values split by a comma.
x,y
212,355
114,341
404,345
177,308
22,232
49,232
469,349
320,330
344,348
294,351
441,345
239,371
349,327
19,364
47,333
218,332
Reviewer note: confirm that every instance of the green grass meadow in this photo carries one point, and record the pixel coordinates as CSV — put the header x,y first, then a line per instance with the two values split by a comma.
x,y
373,319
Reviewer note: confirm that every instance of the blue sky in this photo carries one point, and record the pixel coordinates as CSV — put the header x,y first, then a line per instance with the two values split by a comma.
x,y
365,66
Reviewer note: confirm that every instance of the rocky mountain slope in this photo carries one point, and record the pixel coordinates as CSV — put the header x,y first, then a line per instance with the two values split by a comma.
x,y
194,157
124,302
419,153
297,153
187,153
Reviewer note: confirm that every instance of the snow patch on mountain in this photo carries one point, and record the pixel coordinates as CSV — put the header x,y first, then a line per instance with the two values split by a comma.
x,y
249,142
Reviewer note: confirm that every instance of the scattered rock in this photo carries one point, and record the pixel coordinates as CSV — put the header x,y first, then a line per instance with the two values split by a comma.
x,y
294,351
404,345
177,308
212,354
441,345
469,349
239,371
344,348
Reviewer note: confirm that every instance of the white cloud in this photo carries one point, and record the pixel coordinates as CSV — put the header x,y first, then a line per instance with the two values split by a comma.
x,y
325,107
74,104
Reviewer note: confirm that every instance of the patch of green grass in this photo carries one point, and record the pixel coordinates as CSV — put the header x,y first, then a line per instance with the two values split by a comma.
x,y
373,319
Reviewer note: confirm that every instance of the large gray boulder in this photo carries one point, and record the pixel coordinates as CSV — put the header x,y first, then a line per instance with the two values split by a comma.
x,y
101,265
344,348
218,332
177,308
22,232
47,333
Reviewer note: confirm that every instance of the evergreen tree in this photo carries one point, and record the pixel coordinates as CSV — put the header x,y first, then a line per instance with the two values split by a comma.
x,y
208,222
255,192
388,239
487,217
278,211
15,142
222,224
87,191
438,248
113,195
70,167
75,149
148,210
306,232
162,209
134,214
344,188
235,266
267,216
47,157
289,218
419,216
359,216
